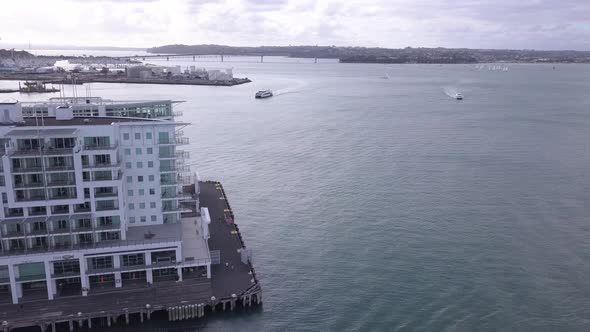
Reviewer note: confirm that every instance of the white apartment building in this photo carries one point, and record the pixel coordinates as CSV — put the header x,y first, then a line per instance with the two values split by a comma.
x,y
95,196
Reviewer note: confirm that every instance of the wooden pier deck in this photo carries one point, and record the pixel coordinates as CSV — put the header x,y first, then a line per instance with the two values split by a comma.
x,y
232,284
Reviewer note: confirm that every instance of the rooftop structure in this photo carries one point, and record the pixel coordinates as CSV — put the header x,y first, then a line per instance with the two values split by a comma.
x,y
99,107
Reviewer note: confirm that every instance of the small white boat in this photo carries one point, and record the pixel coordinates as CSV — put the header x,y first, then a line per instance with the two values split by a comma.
x,y
458,96
263,94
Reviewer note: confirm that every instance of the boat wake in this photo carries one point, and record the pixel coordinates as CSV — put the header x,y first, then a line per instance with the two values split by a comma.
x,y
296,87
451,92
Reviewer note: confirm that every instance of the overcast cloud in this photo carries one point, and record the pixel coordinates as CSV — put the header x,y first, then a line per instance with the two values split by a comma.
x,y
539,24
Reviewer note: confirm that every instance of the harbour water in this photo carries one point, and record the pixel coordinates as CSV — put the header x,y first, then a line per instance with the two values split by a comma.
x,y
377,203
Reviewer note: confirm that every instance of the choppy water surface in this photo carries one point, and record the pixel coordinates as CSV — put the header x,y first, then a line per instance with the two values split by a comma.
x,y
377,203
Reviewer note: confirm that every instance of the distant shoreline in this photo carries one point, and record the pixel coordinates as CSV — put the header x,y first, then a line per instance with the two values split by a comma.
x,y
407,55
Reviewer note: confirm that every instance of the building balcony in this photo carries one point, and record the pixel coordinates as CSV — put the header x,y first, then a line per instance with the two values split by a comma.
x,y
102,165
39,184
107,208
82,229
31,277
60,168
37,232
36,169
51,151
64,196
108,227
93,147
174,155
106,195
31,198
175,141
14,214
175,169
25,152
64,230
12,233
69,274
81,209
173,196
61,183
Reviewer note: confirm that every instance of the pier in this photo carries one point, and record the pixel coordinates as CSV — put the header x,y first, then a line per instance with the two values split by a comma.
x,y
81,78
233,284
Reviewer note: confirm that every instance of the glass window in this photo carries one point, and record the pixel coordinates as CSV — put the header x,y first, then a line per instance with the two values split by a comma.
x,y
139,164
141,192
137,136
154,218
128,165
132,220
150,164
150,151
137,151
152,191
132,260
131,206
151,177
98,263
143,219
129,179
153,205
148,135
127,152
142,205
140,178
129,192
126,136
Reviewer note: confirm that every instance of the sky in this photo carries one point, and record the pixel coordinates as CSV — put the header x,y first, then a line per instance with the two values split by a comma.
x,y
518,24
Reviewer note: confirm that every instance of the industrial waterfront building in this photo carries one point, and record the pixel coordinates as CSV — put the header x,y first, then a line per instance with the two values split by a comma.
x,y
96,196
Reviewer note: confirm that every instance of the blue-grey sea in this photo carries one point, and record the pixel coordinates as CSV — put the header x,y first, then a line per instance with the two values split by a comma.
x,y
383,204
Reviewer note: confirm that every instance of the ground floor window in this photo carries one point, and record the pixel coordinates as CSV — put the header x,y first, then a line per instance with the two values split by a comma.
x,y
138,275
107,278
165,272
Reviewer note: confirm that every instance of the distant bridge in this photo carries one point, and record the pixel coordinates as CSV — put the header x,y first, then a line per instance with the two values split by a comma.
x,y
197,57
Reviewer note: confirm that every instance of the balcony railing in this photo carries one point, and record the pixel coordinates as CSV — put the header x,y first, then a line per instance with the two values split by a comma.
x,y
39,184
174,169
108,227
51,168
100,146
63,230
37,232
65,196
61,183
36,169
31,198
81,209
85,245
68,274
174,155
31,277
176,141
12,233
102,165
106,208
166,196
106,194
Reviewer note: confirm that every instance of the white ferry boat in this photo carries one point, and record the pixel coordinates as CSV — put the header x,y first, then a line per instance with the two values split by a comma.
x,y
263,94
458,96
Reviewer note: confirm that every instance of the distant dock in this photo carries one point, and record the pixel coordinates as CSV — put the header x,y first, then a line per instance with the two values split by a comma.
x,y
81,78
233,285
